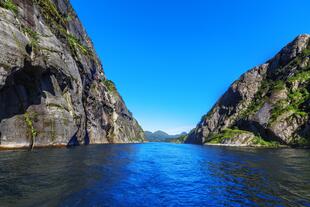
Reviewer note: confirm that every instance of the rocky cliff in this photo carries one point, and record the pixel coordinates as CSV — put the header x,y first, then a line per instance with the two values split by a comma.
x,y
268,105
53,90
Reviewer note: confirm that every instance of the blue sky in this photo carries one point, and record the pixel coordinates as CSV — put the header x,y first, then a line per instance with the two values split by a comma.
x,y
172,59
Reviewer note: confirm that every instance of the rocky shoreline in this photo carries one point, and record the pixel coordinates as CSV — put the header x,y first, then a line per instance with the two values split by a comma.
x,y
247,146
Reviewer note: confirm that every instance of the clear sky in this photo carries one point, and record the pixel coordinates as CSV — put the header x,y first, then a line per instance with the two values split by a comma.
x,y
172,59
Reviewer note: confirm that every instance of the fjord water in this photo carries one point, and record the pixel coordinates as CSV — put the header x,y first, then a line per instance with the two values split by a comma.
x,y
155,174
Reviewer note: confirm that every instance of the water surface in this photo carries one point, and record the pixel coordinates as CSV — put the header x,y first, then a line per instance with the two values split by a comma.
x,y
155,174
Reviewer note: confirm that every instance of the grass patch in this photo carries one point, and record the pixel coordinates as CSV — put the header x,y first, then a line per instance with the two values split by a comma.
x,y
291,104
57,23
298,97
32,133
278,110
301,141
50,13
258,100
216,138
279,85
300,77
110,85
295,97
33,36
306,52
263,143
227,133
9,5
75,45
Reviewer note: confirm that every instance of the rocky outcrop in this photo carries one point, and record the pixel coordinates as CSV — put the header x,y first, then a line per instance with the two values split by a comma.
x,y
270,101
53,90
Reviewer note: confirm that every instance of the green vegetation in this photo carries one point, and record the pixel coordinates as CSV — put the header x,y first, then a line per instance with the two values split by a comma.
x,y
300,77
69,18
258,101
75,45
204,117
301,141
50,13
298,97
280,108
182,138
9,5
179,140
110,85
263,143
306,52
31,130
57,24
253,107
279,85
295,98
292,105
33,36
5,66
93,88
216,138
70,14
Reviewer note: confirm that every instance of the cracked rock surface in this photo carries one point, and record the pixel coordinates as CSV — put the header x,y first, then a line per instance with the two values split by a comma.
x,y
53,90
270,101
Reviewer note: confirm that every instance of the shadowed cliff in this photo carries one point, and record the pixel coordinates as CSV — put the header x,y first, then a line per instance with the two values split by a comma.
x,y
53,90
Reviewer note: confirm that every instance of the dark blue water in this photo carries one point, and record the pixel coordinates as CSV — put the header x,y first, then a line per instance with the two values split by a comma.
x,y
155,174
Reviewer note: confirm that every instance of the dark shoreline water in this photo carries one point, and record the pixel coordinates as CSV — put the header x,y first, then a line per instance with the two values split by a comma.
x,y
153,174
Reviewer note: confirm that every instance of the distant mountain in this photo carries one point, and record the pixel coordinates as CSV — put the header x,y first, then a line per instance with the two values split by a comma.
x,y
161,136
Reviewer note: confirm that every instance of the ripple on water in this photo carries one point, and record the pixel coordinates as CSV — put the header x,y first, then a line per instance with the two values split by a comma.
x,y
155,174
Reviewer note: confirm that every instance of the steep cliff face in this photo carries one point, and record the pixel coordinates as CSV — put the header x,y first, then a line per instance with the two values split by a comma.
x,y
268,104
53,90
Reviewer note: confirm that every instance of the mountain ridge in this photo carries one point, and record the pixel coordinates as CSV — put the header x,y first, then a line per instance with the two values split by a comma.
x,y
268,104
161,136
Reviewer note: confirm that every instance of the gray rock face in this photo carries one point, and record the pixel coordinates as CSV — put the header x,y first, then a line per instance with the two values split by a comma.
x,y
53,90
271,100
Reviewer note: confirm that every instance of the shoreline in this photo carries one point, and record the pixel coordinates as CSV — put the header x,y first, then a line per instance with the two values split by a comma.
x,y
256,146
26,147
12,148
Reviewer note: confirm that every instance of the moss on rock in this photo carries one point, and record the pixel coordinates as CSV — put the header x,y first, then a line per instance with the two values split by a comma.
x,y
109,85
58,24
32,132
239,137
9,5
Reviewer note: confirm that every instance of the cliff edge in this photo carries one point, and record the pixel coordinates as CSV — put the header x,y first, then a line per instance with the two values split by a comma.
x,y
53,90
268,105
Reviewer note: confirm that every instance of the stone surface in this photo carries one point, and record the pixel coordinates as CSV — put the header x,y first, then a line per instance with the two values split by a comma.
x,y
271,100
53,90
